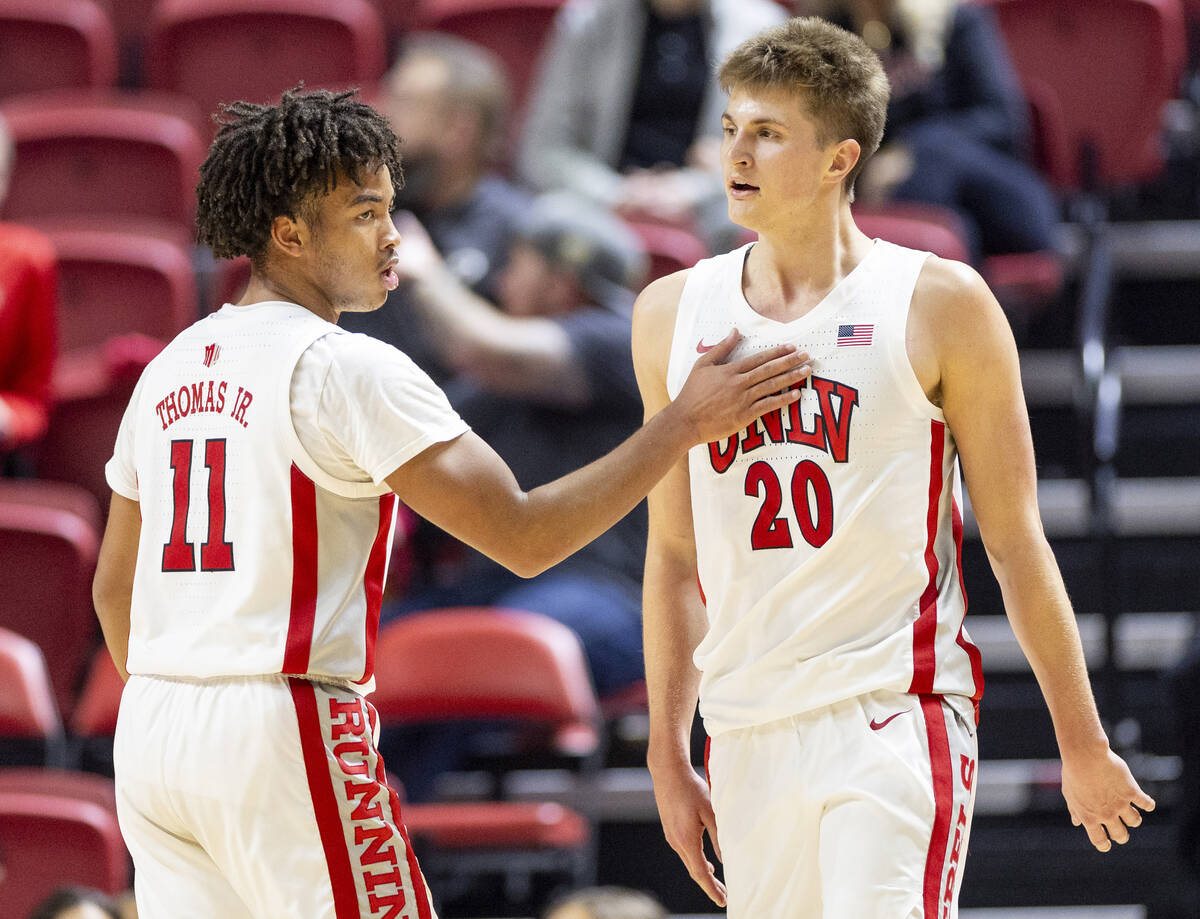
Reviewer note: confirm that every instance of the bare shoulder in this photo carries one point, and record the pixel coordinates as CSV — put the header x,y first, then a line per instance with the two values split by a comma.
x,y
954,310
654,317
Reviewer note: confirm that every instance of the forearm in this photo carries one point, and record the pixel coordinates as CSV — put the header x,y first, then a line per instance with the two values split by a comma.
x,y
460,323
113,613
1044,624
673,624
566,514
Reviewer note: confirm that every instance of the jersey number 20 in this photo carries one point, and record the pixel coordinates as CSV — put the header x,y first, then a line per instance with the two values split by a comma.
x,y
215,553
815,517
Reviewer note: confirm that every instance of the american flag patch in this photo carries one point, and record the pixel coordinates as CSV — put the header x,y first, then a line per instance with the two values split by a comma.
x,y
851,335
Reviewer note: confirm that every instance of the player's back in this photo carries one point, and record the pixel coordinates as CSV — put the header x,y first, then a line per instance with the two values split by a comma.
x,y
251,560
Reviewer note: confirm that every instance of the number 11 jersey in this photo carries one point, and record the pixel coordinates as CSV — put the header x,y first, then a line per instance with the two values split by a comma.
x,y
253,558
828,535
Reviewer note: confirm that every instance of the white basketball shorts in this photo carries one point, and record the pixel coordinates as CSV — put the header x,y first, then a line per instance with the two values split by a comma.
x,y
861,809
260,797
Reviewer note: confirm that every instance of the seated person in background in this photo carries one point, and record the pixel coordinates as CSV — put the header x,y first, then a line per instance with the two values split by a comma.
x,y
28,292
77,903
547,378
448,101
957,123
605,903
626,109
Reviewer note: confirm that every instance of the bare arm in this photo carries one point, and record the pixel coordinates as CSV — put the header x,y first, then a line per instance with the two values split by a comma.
x,y
981,396
523,356
673,623
112,588
465,488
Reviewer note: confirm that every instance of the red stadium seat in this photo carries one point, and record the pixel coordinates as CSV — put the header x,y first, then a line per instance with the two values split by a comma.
x,y
130,159
229,282
917,226
1098,115
514,30
96,711
216,51
113,283
49,553
52,840
487,663
61,783
55,44
670,248
30,729
90,397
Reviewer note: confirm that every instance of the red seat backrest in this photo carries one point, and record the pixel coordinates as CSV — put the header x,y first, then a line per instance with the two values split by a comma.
x,y
49,553
100,700
1097,73
81,155
50,841
27,707
513,30
113,283
487,663
55,44
670,249
216,51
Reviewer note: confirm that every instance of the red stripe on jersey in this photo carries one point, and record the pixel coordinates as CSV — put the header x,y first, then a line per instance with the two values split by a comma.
x,y
925,628
424,911
707,751
373,580
324,801
942,773
965,643
700,586
304,574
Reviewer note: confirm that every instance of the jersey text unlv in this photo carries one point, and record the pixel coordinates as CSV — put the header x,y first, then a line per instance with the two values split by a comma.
x,y
827,428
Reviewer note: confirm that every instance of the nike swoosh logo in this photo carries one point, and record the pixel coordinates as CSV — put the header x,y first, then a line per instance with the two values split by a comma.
x,y
701,347
879,725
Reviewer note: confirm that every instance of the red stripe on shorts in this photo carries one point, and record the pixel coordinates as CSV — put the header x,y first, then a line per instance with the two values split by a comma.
x,y
304,574
324,800
373,580
925,628
943,801
965,643
424,911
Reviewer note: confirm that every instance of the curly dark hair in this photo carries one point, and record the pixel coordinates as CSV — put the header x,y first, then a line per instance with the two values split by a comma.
x,y
269,161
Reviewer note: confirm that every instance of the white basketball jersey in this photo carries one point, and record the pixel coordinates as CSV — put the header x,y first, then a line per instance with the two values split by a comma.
x,y
252,560
828,535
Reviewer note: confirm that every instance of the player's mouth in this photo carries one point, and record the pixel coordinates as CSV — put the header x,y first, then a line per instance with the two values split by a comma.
x,y
738,189
391,280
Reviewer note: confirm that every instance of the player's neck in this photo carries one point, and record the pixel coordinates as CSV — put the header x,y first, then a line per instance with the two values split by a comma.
x,y
792,269
265,287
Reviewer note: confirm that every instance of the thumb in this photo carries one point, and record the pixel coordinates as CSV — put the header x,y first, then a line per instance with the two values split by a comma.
x,y
718,353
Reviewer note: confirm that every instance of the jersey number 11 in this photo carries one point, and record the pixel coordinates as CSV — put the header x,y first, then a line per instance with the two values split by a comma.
x,y
215,553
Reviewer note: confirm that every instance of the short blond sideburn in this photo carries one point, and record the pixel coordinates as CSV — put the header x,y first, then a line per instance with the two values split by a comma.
x,y
839,78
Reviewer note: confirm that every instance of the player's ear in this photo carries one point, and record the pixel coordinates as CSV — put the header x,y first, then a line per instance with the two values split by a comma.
x,y
289,236
845,156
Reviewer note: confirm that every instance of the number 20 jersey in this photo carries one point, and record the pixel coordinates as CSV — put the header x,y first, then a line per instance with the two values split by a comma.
x,y
828,535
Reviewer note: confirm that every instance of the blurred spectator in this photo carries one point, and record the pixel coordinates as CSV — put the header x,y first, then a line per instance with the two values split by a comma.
x,y
957,124
547,379
626,109
28,289
605,903
448,102
77,903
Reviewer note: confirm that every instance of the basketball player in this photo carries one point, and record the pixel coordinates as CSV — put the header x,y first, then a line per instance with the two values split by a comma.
x,y
824,634
254,481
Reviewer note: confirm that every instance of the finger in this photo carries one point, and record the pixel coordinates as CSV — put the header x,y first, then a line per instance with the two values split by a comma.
x,y
710,824
1117,832
1143,800
789,378
1098,837
703,873
752,362
1131,816
776,368
774,401
718,353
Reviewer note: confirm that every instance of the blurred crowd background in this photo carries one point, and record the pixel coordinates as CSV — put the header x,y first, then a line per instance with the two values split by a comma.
x,y
559,155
